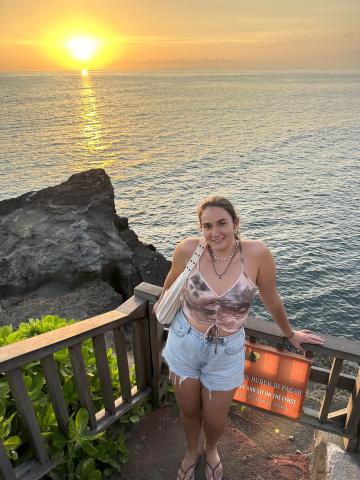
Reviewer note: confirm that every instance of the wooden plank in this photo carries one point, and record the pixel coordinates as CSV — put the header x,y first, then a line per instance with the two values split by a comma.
x,y
26,411
311,417
148,291
330,389
135,307
321,375
145,328
351,445
155,350
339,347
338,416
122,363
138,347
81,382
104,373
33,470
56,393
352,423
34,348
6,468
104,420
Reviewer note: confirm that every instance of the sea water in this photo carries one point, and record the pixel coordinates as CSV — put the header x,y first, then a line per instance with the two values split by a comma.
x,y
282,145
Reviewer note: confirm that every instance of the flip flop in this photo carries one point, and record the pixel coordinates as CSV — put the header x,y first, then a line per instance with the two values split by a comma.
x,y
213,471
184,473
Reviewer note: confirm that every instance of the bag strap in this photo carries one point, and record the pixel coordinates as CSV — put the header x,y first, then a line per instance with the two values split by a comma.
x,y
194,258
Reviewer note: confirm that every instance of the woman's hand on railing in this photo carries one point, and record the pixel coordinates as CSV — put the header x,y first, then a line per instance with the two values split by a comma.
x,y
304,336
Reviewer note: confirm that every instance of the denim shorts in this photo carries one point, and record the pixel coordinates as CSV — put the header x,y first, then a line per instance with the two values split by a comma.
x,y
219,365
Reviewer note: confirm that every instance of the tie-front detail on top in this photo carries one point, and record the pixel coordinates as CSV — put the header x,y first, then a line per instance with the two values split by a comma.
x,y
227,311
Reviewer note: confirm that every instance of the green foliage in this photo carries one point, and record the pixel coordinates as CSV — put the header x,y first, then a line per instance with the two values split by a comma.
x,y
79,456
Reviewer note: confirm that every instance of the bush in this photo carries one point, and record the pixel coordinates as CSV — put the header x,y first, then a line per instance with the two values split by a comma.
x,y
79,456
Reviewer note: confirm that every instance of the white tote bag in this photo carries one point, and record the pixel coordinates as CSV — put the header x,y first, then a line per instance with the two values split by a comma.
x,y
171,301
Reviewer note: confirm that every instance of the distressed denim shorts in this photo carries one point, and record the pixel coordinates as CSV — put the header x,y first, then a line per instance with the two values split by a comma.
x,y
218,364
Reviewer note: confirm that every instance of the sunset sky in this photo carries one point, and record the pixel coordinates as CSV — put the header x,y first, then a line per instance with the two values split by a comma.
x,y
48,35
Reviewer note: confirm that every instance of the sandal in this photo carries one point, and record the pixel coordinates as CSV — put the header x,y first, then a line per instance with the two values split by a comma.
x,y
213,470
182,474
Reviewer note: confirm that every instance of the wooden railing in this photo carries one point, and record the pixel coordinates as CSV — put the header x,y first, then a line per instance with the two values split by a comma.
x,y
148,339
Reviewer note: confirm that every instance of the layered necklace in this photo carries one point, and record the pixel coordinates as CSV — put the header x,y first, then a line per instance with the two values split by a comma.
x,y
229,258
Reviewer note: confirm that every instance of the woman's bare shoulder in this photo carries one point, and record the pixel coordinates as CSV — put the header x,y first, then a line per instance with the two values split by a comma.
x,y
183,252
254,247
187,246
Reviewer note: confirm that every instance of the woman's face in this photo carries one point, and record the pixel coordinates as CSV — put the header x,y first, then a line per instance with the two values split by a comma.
x,y
218,228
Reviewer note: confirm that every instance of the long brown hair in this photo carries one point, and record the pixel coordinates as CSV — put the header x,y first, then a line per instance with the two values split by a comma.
x,y
222,202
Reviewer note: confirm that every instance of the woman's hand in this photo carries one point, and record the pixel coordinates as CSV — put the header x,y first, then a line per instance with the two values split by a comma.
x,y
304,336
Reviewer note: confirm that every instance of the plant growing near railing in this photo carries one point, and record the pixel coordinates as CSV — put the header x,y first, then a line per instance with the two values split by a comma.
x,y
79,456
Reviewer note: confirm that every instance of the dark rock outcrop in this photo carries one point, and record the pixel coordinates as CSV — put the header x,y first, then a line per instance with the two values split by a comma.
x,y
55,240
88,300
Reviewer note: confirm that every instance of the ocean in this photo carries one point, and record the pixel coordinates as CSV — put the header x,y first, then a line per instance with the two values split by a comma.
x,y
282,145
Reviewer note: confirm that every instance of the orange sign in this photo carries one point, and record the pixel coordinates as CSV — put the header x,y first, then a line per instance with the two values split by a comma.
x,y
274,380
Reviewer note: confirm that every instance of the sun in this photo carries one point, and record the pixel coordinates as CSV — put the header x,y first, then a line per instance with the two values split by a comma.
x,y
82,48
81,44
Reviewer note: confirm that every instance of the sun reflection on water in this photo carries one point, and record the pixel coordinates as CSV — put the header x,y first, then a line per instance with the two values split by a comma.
x,y
95,145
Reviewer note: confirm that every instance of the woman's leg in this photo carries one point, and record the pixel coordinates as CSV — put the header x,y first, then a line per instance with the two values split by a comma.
x,y
188,397
215,412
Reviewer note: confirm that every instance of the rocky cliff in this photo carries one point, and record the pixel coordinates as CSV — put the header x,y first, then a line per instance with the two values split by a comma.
x,y
56,241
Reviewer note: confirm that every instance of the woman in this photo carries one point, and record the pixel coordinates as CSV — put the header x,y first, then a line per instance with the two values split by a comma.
x,y
205,346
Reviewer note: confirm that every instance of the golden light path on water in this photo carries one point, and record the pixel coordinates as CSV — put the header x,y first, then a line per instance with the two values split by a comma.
x,y
93,134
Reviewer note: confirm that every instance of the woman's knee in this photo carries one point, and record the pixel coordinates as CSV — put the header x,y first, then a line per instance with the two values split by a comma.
x,y
215,422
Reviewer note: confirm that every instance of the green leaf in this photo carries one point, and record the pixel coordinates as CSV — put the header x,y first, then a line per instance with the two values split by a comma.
x,y
88,448
134,418
12,443
14,337
4,390
86,467
59,440
13,455
81,421
95,475
5,427
72,429
2,409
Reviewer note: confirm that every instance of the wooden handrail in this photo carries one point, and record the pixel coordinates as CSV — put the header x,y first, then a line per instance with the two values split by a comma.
x,y
148,339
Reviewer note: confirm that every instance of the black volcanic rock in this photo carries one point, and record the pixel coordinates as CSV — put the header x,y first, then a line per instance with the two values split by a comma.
x,y
69,234
88,300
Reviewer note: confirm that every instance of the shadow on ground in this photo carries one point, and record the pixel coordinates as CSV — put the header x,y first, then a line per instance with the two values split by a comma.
x,y
255,446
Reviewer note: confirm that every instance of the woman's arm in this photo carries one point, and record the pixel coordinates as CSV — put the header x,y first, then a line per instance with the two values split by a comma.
x,y
266,280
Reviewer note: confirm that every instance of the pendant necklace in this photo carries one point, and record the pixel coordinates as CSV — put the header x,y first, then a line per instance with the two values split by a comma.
x,y
214,259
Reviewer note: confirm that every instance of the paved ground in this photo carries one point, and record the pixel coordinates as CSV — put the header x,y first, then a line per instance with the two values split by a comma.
x,y
255,446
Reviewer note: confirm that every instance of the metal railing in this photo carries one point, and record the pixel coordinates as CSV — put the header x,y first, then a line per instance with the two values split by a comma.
x,y
147,341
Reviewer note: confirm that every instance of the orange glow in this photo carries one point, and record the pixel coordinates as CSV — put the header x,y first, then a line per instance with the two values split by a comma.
x,y
80,44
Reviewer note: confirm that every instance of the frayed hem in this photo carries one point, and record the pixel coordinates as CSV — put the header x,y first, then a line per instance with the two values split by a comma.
x,y
177,380
227,389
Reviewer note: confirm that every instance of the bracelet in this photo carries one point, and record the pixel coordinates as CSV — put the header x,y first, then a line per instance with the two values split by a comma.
x,y
290,336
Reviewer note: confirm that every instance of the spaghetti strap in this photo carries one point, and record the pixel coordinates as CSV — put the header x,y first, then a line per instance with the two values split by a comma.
x,y
241,257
